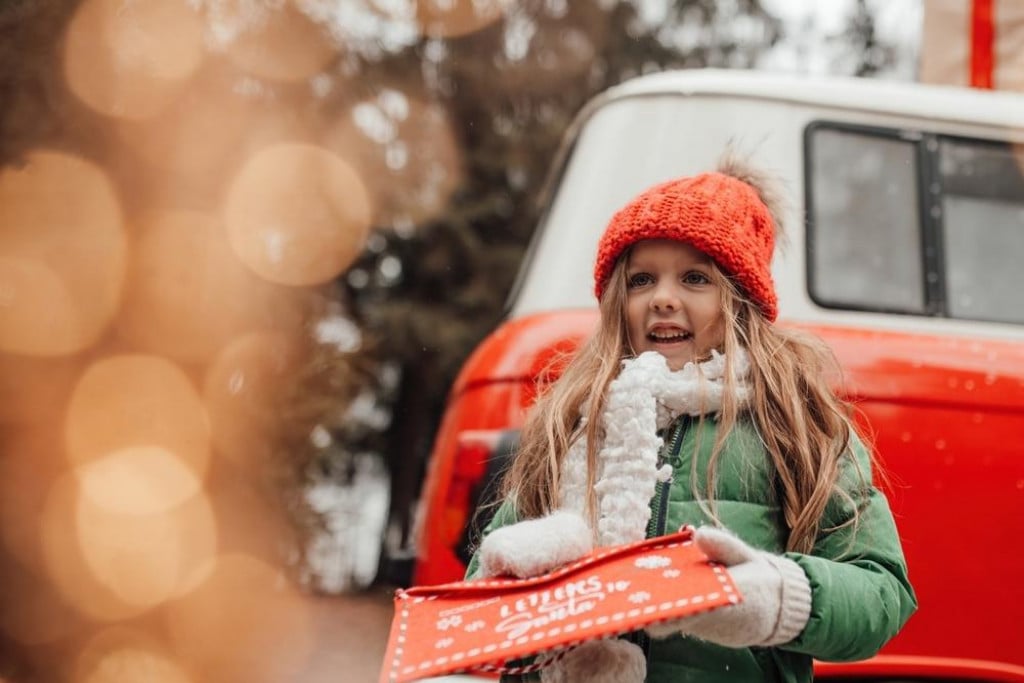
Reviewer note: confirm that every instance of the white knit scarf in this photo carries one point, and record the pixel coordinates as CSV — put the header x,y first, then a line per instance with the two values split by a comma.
x,y
646,396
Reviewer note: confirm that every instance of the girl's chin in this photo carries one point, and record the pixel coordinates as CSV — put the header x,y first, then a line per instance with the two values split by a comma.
x,y
678,363
676,358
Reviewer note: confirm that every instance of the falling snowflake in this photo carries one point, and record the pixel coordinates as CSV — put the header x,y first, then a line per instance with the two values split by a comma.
x,y
474,626
443,643
639,597
652,562
671,573
446,623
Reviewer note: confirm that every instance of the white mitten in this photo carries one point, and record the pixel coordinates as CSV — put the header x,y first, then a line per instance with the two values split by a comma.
x,y
776,597
535,546
599,661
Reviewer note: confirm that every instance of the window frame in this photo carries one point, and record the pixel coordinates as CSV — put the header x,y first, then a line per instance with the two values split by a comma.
x,y
931,219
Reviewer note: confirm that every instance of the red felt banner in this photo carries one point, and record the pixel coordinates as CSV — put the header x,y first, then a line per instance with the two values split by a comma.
x,y
480,625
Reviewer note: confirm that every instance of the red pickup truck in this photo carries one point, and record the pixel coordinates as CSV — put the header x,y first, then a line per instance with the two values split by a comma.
x,y
905,253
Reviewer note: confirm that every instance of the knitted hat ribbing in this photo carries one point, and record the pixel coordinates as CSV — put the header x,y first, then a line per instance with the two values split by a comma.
x,y
722,216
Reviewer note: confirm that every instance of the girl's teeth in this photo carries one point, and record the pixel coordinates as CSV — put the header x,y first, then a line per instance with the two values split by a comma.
x,y
669,338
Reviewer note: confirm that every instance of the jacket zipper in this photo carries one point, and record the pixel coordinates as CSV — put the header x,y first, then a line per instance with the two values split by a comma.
x,y
659,511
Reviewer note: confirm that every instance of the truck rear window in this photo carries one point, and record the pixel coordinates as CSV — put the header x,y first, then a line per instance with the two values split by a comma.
x,y
912,223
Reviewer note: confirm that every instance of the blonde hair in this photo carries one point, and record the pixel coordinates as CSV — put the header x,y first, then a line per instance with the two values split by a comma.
x,y
554,420
804,426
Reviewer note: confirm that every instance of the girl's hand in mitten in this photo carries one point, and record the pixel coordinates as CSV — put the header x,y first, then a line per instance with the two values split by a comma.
x,y
776,597
535,546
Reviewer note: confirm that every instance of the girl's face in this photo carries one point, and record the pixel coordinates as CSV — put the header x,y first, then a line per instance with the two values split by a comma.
x,y
673,305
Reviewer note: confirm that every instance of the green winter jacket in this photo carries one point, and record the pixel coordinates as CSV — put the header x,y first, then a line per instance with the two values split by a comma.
x,y
861,596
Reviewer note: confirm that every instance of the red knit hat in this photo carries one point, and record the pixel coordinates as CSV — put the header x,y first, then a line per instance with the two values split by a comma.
x,y
722,216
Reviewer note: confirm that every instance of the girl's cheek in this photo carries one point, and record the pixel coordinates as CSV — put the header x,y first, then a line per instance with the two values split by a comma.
x,y
715,340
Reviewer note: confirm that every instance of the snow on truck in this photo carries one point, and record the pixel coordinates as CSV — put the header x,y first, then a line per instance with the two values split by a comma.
x,y
905,252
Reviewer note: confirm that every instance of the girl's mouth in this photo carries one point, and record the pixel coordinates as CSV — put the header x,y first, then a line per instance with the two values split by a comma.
x,y
668,336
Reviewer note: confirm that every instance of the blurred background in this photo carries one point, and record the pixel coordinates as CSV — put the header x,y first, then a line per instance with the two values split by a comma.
x,y
245,246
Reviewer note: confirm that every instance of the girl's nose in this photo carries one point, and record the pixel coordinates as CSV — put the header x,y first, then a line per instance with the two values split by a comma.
x,y
664,298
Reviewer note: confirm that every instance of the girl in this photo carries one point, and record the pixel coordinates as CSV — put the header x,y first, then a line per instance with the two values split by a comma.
x,y
688,406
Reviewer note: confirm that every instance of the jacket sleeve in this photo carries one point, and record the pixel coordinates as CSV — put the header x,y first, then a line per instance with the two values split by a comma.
x,y
505,515
860,594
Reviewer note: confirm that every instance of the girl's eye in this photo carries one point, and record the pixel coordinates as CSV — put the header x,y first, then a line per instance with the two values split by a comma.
x,y
695,277
640,279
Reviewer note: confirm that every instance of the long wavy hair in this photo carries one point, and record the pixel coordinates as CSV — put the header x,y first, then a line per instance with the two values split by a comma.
x,y
804,426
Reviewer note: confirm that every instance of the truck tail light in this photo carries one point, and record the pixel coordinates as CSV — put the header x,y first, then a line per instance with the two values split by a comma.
x,y
473,450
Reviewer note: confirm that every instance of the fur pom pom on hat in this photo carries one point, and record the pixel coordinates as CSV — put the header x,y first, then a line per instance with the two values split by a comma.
x,y
719,214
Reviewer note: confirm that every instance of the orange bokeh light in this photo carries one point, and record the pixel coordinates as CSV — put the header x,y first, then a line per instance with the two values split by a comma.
x,y
244,623
189,294
64,250
139,480
65,564
197,136
406,149
283,45
454,18
146,559
119,655
137,400
297,214
191,149
112,566
130,59
242,390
